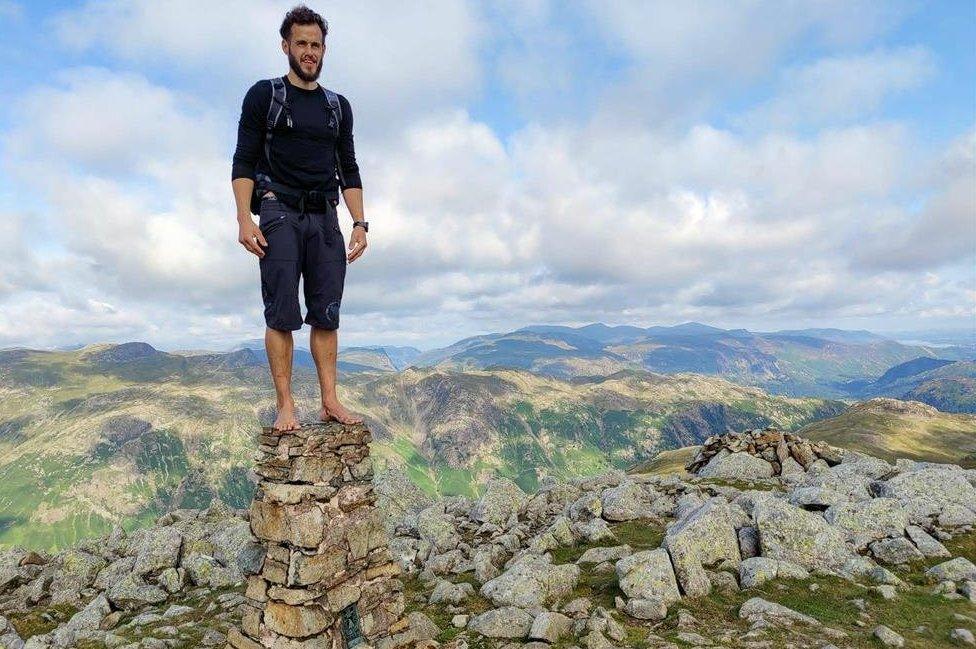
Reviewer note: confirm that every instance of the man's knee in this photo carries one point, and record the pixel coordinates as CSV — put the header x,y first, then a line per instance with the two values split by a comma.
x,y
326,318
281,330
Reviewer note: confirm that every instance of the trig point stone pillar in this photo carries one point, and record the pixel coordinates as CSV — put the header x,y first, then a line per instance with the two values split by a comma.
x,y
327,579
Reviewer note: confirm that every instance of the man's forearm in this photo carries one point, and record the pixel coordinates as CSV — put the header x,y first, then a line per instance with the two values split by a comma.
x,y
353,198
243,188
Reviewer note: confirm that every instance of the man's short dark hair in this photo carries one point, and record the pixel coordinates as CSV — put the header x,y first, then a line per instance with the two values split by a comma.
x,y
302,15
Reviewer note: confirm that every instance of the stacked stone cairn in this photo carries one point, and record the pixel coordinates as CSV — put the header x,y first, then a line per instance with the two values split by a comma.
x,y
757,454
327,579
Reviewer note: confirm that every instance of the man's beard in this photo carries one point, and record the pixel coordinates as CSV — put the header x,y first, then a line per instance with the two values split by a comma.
x,y
296,67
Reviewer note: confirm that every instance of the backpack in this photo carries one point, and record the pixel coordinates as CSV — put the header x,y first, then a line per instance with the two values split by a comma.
x,y
277,106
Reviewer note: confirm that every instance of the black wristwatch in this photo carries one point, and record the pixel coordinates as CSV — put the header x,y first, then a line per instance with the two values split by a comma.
x,y
365,225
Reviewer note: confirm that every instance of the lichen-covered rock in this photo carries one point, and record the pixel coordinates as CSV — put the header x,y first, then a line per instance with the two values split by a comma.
x,y
865,521
958,569
446,592
8,635
737,466
504,622
646,609
113,572
531,581
888,637
791,471
827,486
550,627
928,490
77,568
159,551
594,531
791,534
758,570
606,553
867,465
895,551
748,542
296,621
501,499
91,616
648,575
437,527
704,538
398,496
229,541
955,515
200,567
558,534
927,545
486,561
132,592
624,502
758,609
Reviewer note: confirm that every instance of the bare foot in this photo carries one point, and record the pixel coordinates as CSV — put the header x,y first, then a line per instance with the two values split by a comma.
x,y
339,412
286,419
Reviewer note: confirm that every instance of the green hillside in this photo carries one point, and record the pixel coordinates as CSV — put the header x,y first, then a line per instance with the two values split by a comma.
x,y
823,363
890,428
106,434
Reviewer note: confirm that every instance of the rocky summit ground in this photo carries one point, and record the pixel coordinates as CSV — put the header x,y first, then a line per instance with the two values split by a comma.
x,y
766,541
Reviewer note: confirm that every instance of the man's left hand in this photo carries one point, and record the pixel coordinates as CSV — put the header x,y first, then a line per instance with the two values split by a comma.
x,y
357,244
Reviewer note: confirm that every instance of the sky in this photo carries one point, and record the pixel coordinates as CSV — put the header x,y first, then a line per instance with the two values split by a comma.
x,y
754,164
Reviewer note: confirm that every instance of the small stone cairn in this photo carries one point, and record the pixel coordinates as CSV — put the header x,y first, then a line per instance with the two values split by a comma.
x,y
326,579
779,449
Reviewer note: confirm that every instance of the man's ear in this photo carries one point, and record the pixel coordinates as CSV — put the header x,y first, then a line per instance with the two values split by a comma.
x,y
284,46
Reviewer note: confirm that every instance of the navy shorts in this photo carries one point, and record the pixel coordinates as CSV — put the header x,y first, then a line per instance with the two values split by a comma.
x,y
307,246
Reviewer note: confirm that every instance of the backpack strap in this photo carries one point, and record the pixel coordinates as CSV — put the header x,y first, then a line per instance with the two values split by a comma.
x,y
277,106
336,108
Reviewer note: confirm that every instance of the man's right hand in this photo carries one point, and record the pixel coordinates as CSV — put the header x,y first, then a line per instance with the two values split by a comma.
x,y
250,236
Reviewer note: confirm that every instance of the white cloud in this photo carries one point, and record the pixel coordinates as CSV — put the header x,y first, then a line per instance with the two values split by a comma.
x,y
136,184
557,224
681,58
566,219
841,88
108,122
943,231
390,59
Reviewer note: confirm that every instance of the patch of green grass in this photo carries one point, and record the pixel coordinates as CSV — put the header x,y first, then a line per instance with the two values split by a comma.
x,y
741,485
599,587
414,595
830,603
39,620
640,534
963,545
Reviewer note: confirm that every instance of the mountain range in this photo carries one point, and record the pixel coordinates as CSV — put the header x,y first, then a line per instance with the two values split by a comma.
x,y
809,362
110,433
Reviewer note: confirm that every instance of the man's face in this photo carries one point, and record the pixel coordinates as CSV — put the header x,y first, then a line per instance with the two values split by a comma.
x,y
305,49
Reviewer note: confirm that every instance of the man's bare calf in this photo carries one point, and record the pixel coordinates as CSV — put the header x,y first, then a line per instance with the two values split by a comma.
x,y
324,343
280,345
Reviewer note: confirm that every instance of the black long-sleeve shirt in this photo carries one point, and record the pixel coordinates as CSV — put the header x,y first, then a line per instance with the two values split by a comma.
x,y
303,155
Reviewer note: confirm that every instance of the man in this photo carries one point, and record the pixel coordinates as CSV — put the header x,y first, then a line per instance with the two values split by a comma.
x,y
286,173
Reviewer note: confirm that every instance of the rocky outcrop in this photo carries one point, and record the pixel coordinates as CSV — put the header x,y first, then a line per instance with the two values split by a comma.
x,y
737,455
496,564
121,574
530,582
327,577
